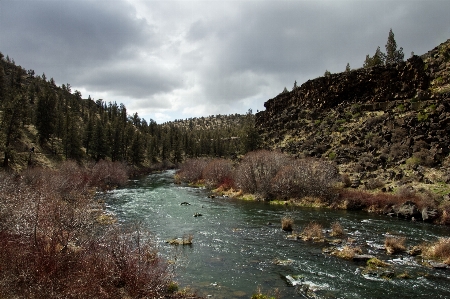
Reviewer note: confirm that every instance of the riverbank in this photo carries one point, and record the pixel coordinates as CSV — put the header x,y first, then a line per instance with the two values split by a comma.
x,y
239,245
58,242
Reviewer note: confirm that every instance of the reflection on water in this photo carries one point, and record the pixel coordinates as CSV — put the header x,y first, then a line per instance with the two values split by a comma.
x,y
239,246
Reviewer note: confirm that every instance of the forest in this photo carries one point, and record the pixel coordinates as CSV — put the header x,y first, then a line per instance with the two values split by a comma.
x,y
40,119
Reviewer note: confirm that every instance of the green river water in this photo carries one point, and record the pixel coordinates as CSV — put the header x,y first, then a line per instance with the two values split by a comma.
x,y
239,246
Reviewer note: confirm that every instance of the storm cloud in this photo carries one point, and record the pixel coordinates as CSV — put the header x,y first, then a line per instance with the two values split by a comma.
x,y
178,59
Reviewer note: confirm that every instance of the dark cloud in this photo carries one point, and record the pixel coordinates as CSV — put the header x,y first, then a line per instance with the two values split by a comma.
x,y
177,59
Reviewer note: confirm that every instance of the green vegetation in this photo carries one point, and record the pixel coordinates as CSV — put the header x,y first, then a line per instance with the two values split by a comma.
x,y
393,55
60,125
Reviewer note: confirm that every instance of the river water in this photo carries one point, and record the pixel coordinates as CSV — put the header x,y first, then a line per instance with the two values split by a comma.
x,y
238,246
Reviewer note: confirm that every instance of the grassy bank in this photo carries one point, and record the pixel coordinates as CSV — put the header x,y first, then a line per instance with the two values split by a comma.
x,y
281,179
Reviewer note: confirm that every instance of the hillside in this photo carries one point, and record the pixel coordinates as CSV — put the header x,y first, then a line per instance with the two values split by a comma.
x,y
42,124
384,126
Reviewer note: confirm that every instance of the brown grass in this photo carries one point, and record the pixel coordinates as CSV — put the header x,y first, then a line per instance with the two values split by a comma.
x,y
395,244
439,250
313,231
287,224
337,230
347,252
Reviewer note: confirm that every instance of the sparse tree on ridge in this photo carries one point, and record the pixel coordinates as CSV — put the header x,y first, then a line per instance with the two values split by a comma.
x,y
392,54
376,60
347,67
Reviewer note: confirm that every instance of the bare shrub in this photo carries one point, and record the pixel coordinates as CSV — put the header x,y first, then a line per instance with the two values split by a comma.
x,y
217,173
256,170
374,184
444,217
52,248
191,171
305,177
337,230
424,157
439,250
395,244
313,231
358,199
107,174
287,224
345,179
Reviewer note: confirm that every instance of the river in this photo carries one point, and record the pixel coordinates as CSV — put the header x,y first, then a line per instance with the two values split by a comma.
x,y
239,246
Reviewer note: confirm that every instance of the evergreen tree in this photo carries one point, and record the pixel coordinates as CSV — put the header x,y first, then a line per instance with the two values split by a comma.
x,y
2,80
347,67
11,112
250,138
137,149
46,115
376,60
327,73
392,54
100,148
88,136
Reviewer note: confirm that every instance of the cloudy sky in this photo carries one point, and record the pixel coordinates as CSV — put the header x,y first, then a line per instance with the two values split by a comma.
x,y
175,59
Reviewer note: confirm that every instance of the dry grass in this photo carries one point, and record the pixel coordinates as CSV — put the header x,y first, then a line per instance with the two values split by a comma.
x,y
337,230
439,250
287,224
347,252
376,263
313,231
395,244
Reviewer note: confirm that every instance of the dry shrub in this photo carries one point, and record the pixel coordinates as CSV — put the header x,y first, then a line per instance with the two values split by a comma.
x,y
345,179
218,173
337,230
439,250
306,177
358,199
191,171
52,248
287,224
107,174
313,231
256,170
444,217
395,244
374,184
347,252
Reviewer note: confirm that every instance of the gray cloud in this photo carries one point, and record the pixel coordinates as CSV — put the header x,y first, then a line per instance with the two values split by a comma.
x,y
177,59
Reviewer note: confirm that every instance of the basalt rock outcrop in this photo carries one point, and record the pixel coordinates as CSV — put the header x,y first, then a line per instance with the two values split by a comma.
x,y
369,120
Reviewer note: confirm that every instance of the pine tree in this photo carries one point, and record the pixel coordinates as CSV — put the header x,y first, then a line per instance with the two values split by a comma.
x,y
347,67
46,115
392,54
137,149
12,112
377,59
100,148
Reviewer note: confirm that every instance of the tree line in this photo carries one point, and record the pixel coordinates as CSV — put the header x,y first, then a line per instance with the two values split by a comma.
x,y
70,127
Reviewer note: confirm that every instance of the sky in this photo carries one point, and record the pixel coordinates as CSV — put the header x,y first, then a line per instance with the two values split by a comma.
x,y
177,59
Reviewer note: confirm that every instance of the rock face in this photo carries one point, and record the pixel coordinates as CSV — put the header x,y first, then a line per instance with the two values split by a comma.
x,y
368,119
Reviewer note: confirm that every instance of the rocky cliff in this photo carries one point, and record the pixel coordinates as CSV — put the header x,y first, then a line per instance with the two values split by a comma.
x,y
386,123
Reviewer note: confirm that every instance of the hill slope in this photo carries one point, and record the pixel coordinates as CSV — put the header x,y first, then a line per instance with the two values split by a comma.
x,y
381,125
